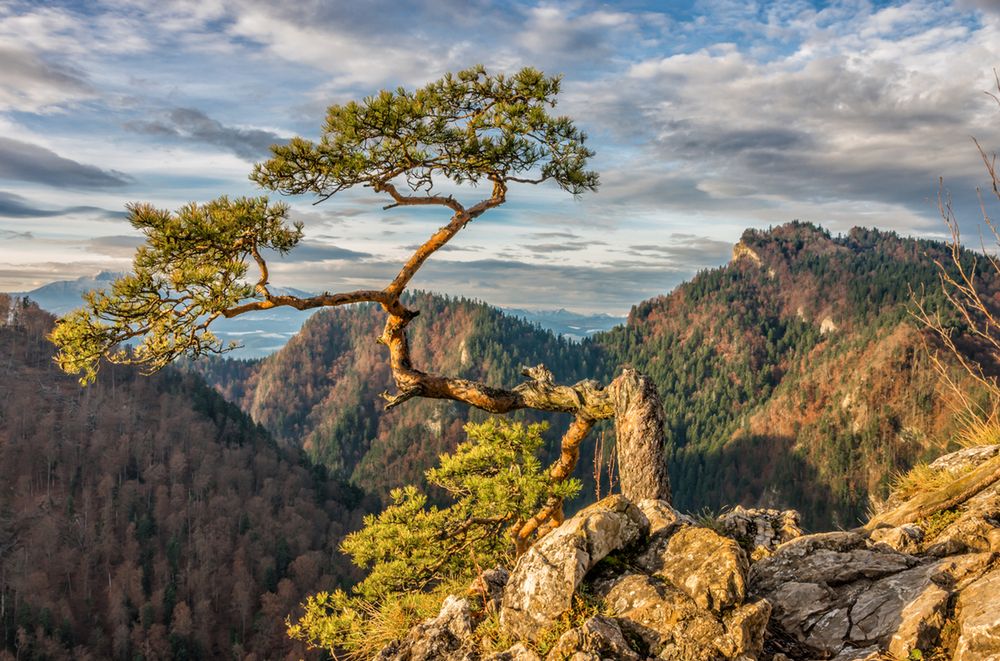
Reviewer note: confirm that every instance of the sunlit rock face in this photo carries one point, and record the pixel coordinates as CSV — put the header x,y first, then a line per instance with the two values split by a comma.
x,y
746,585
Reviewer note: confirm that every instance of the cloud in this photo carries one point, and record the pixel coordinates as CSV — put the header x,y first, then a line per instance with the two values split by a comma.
x,y
869,108
16,206
554,235
192,125
24,277
558,35
448,247
339,42
24,161
319,252
566,246
115,246
30,84
125,246
610,288
687,250
73,32
12,235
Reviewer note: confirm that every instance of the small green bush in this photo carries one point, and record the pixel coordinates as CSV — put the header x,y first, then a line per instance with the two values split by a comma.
x,y
419,553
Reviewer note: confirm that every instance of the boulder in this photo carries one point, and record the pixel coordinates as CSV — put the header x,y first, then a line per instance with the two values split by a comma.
x,y
959,571
672,626
709,568
487,588
441,638
832,594
856,654
966,458
905,611
600,636
541,586
978,617
799,606
834,558
746,628
905,538
667,620
663,518
759,531
920,621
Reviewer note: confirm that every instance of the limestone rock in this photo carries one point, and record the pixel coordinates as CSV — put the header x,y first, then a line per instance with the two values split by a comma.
x,y
441,638
746,627
667,620
760,531
518,652
798,607
856,654
541,587
966,458
673,626
905,538
833,594
709,568
957,572
833,558
969,534
921,621
978,617
599,635
905,610
661,516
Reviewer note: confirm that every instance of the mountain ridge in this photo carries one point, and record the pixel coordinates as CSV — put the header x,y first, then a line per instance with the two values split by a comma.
x,y
727,350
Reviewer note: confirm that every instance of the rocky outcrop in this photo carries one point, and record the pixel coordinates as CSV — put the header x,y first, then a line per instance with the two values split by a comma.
x,y
707,567
600,637
542,584
655,585
759,531
442,638
978,617
743,251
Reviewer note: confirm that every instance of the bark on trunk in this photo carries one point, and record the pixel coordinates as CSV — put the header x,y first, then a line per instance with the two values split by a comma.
x,y
639,438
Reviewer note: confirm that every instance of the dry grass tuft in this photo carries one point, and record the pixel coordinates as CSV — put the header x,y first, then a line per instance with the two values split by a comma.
x,y
980,431
922,479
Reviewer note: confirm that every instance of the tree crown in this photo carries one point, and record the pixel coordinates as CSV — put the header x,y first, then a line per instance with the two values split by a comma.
x,y
462,129
189,272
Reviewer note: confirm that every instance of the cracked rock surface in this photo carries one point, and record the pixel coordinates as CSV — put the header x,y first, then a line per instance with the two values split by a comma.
x,y
747,586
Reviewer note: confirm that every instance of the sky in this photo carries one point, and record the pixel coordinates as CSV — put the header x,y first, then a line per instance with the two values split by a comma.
x,y
708,117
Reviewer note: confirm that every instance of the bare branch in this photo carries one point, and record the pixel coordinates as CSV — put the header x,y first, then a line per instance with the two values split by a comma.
x,y
418,200
323,300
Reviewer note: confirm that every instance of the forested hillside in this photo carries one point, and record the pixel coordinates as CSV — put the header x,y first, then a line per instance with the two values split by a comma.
x,y
796,375
321,391
149,518
793,376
